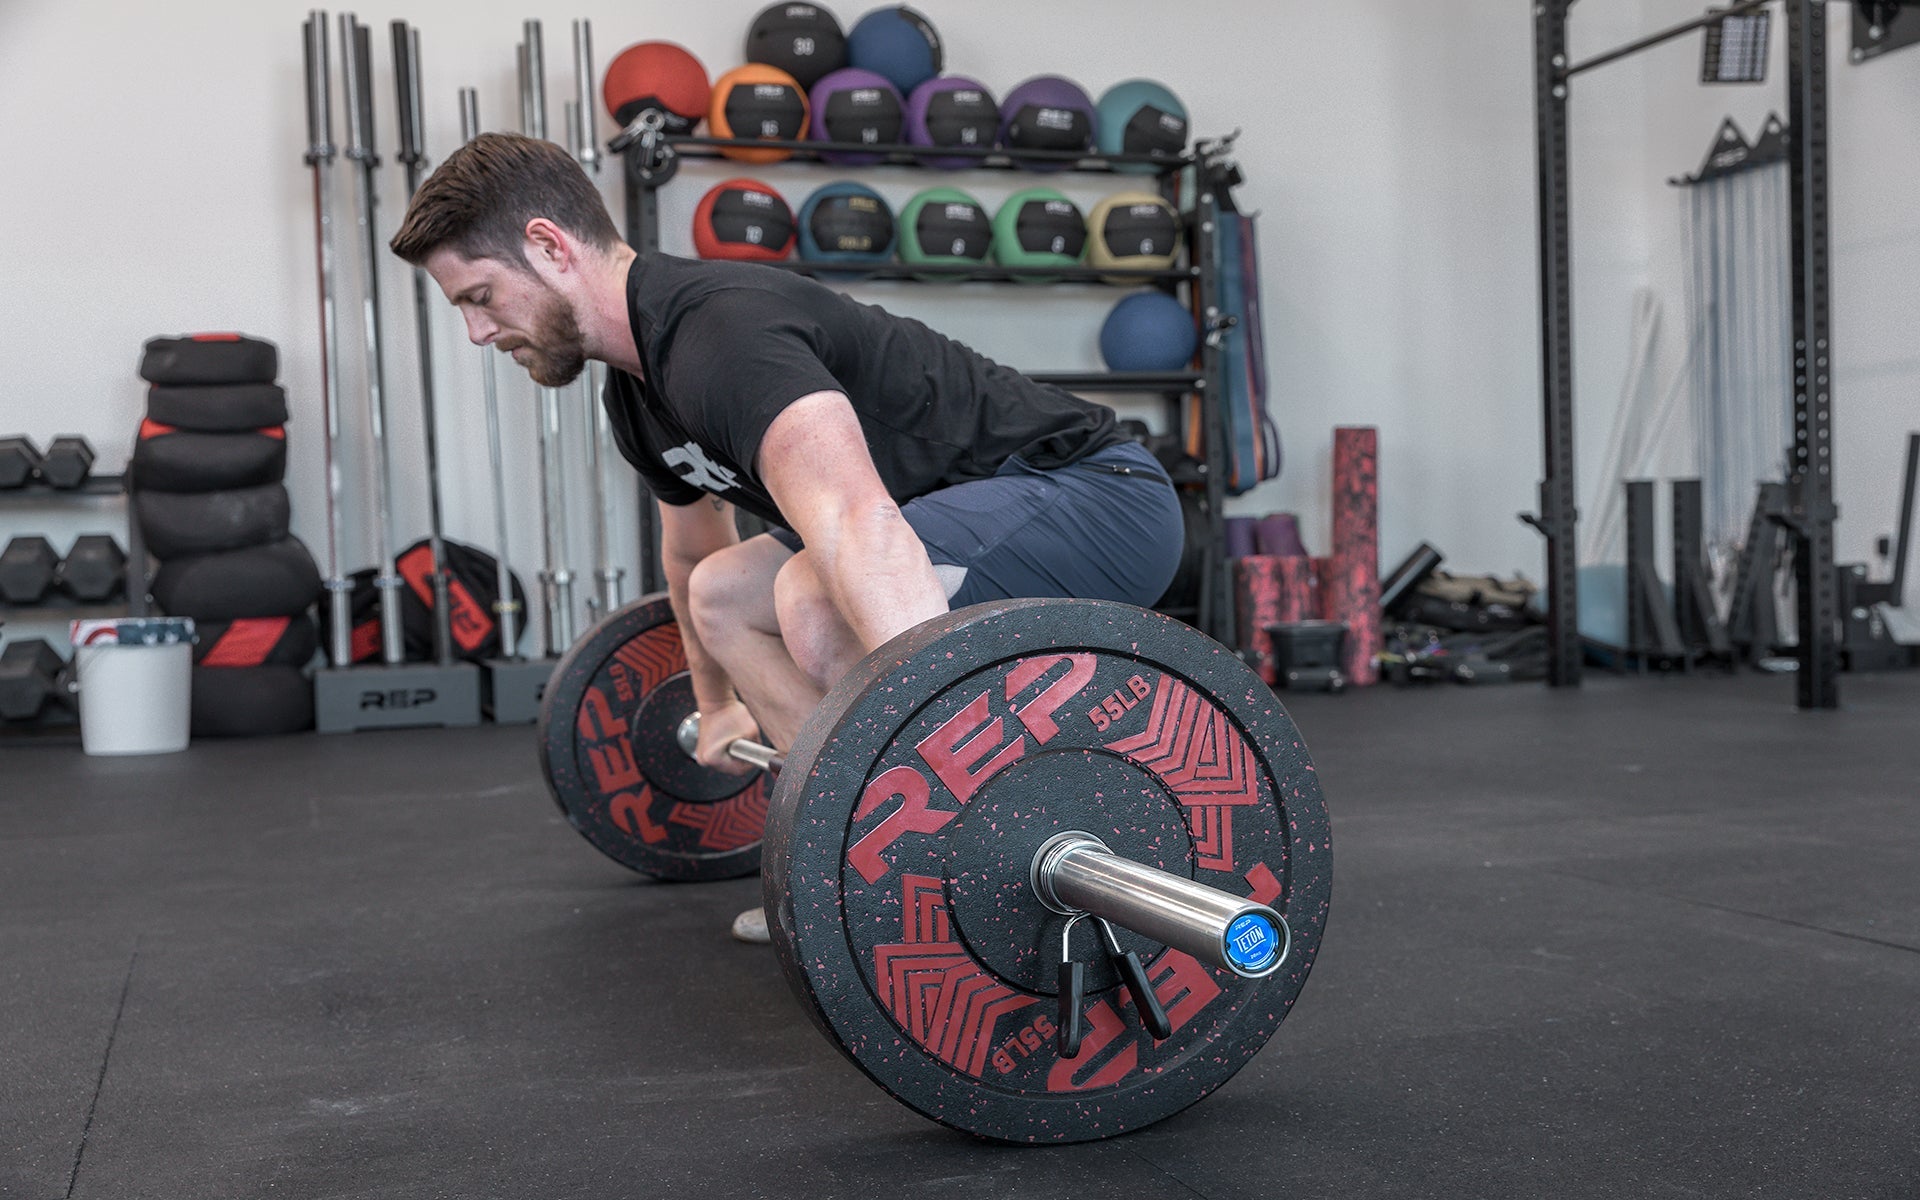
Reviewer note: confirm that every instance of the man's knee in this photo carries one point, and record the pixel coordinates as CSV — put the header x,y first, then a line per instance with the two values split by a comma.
x,y
722,595
816,635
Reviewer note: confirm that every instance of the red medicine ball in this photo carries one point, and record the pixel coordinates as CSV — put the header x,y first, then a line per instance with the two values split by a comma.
x,y
743,219
657,75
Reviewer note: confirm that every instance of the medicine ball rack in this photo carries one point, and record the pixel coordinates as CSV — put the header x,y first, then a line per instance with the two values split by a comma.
x,y
651,159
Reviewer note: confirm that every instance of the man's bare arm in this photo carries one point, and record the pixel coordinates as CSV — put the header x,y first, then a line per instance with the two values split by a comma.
x,y
688,534
815,462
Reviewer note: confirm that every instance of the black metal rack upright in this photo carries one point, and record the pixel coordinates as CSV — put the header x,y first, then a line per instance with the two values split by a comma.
x,y
1810,508
1807,511
651,159
1558,513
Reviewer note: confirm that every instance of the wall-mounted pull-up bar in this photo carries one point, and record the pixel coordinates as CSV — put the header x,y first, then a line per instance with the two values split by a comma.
x,y
1665,35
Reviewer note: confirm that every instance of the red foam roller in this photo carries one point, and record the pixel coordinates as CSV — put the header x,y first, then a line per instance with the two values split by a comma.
x,y
1299,590
1257,603
1353,590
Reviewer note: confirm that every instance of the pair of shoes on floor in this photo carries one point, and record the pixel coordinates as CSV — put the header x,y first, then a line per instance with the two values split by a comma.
x,y
751,927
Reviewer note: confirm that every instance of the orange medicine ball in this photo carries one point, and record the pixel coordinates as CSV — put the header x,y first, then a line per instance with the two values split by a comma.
x,y
758,101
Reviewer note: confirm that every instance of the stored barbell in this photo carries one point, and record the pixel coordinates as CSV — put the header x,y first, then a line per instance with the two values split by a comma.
x,y
956,808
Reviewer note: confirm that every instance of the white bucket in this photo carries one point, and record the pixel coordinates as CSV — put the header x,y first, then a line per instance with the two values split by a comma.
x,y
134,698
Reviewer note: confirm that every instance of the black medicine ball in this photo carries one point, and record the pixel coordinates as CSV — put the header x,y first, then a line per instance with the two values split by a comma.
x,y
804,40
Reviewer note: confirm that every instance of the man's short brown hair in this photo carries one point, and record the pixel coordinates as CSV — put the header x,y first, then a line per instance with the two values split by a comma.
x,y
478,202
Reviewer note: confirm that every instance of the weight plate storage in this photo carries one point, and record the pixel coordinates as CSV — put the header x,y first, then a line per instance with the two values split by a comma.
x,y
904,826
607,748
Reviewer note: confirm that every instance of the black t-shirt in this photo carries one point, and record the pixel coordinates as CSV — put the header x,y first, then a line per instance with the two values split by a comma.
x,y
726,347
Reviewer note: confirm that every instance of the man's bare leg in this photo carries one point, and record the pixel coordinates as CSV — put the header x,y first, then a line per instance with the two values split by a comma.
x,y
731,595
742,599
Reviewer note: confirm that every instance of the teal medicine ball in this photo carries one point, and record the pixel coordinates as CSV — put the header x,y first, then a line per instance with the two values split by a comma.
x,y
846,223
1141,117
1148,331
1039,227
944,225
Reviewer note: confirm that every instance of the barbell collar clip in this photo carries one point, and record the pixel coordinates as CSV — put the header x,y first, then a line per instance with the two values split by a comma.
x,y
1153,1017
1070,1030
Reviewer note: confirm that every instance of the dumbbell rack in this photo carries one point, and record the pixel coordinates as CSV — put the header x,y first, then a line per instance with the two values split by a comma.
x,y
34,495
650,163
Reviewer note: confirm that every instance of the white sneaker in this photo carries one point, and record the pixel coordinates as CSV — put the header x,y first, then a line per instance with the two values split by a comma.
x,y
751,927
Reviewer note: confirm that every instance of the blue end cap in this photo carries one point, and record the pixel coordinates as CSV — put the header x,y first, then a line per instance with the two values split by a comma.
x,y
1253,942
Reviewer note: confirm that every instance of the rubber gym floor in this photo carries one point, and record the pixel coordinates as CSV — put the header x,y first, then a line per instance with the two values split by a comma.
x,y
1654,937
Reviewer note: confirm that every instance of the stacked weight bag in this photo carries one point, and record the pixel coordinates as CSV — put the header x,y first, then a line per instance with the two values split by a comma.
x,y
208,489
473,594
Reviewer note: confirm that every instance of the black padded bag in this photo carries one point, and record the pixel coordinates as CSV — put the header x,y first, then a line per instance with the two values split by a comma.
x,y
176,524
256,642
473,591
261,581
250,701
209,358
170,459
218,408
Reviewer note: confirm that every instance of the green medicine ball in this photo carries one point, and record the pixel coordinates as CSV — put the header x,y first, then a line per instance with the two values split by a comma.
x,y
944,225
1039,227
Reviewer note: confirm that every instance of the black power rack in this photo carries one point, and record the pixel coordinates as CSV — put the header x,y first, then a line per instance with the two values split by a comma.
x,y
1805,508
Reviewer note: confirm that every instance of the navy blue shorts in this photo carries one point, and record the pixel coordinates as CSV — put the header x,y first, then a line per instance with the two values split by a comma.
x,y
1107,527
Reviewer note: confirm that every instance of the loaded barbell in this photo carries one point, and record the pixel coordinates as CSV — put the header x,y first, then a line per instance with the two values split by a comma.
x,y
1074,874
956,807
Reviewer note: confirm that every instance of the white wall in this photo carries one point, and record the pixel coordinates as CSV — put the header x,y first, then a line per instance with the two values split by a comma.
x,y
159,187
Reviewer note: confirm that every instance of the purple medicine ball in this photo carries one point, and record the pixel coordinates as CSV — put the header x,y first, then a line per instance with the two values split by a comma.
x,y
952,110
852,105
1047,113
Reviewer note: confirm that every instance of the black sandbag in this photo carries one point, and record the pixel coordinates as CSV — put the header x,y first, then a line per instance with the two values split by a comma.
x,y
177,524
273,580
218,408
209,358
256,642
167,458
250,701
473,591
